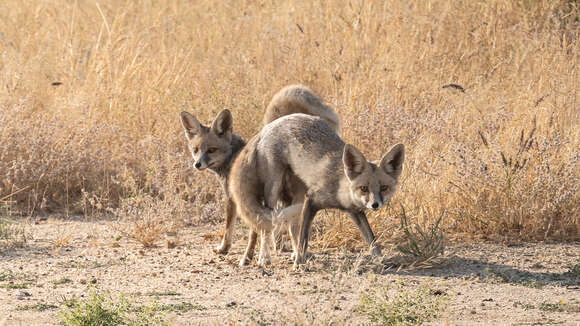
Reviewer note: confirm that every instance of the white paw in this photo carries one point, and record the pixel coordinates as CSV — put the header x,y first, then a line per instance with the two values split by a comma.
x,y
264,262
244,261
222,249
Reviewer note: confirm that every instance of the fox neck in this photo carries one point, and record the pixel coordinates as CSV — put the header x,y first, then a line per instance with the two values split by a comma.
x,y
223,170
344,194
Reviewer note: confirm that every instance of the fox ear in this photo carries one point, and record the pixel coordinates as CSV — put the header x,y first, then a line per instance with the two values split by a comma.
x,y
222,125
354,162
392,162
190,124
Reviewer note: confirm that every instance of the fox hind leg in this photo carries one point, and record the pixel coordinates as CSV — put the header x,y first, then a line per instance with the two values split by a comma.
x,y
249,253
264,258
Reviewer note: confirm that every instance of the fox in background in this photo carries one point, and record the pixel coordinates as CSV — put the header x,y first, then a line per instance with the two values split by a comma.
x,y
215,147
334,175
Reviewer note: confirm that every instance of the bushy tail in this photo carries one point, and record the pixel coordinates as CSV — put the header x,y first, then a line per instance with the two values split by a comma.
x,y
288,215
300,99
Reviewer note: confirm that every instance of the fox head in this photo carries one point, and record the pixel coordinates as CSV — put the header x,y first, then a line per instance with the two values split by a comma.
x,y
210,146
373,184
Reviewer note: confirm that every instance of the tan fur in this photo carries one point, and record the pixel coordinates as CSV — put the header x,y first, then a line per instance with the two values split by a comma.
x,y
214,147
306,150
300,99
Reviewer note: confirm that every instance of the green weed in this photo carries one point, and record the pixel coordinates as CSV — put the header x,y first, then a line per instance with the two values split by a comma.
x,y
402,306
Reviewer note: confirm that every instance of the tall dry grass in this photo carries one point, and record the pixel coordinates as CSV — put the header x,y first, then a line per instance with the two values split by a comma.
x,y
91,92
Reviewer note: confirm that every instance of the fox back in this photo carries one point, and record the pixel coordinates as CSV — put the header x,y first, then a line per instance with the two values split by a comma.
x,y
336,174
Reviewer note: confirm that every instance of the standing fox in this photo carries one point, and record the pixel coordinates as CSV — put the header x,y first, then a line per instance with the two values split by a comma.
x,y
335,175
216,147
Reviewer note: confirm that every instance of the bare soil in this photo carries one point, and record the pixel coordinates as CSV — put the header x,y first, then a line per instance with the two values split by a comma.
x,y
484,283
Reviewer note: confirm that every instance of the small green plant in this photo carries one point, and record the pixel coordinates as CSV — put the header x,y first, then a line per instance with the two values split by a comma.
x,y
11,285
101,309
181,307
162,293
420,244
36,307
98,309
6,275
147,315
559,307
402,306
62,280
88,264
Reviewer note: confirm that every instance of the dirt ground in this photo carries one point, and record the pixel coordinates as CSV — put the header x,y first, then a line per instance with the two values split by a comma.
x,y
482,283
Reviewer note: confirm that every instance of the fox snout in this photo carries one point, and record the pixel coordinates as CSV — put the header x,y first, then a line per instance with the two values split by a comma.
x,y
375,202
200,164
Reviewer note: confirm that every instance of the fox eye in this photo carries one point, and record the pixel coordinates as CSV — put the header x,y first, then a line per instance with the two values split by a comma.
x,y
384,188
212,150
364,189
195,150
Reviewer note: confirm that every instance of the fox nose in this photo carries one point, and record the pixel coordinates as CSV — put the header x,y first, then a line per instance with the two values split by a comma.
x,y
375,205
197,165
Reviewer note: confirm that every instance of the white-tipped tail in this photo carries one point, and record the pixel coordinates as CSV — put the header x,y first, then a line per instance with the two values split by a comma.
x,y
287,215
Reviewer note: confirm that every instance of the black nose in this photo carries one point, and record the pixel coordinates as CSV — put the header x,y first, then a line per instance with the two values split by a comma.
x,y
375,205
197,165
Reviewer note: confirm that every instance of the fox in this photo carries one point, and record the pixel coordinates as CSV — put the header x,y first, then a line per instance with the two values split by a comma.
x,y
214,147
335,175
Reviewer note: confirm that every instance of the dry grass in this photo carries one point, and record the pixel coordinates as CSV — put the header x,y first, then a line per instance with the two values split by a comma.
x,y
420,245
12,234
63,240
91,94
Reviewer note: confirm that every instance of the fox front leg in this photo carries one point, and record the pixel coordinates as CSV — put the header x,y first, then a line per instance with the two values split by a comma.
x,y
226,243
360,219
307,215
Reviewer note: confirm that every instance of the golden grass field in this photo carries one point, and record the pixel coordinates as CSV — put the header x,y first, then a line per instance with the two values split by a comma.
x,y
91,91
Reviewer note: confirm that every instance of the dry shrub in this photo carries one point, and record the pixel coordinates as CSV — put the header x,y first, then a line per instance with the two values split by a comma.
x,y
91,94
63,240
420,245
12,234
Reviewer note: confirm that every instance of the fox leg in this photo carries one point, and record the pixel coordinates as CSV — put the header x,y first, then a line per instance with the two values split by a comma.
x,y
264,258
308,212
298,197
249,253
272,196
230,222
294,230
360,219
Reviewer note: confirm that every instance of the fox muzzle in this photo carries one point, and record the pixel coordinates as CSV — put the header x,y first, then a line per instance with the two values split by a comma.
x,y
201,163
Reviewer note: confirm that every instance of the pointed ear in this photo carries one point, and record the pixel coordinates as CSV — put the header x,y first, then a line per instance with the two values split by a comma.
x,y
392,162
222,125
190,124
354,162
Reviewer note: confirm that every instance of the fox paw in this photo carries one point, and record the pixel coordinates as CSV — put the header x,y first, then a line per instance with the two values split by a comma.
x,y
221,249
244,261
264,262
299,267
308,256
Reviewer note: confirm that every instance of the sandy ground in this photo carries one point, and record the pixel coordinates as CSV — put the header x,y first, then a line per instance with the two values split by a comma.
x,y
481,283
